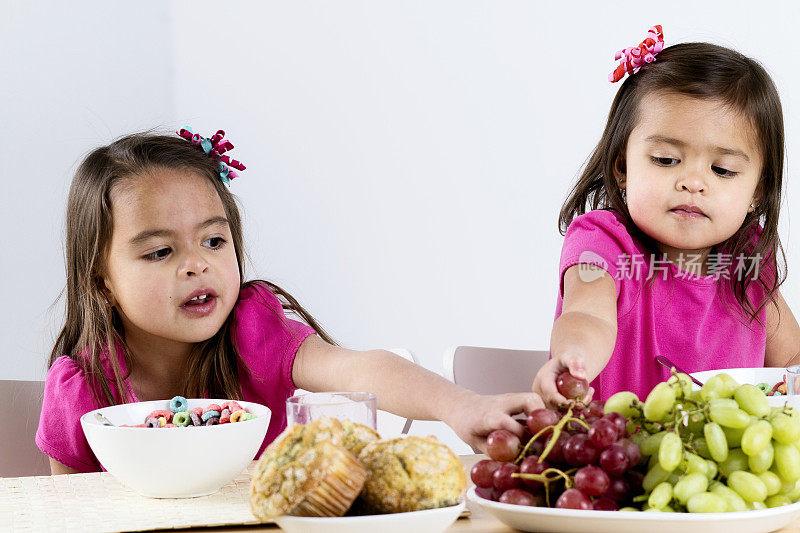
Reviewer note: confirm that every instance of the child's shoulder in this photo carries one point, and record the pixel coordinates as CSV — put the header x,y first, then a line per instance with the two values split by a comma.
x,y
602,227
607,219
260,327
256,295
65,368
258,307
602,238
67,378
72,369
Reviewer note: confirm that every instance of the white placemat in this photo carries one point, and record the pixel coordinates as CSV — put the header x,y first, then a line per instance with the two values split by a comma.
x,y
98,502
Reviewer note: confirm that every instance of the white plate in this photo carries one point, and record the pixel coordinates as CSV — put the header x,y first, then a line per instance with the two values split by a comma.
x,y
428,521
546,519
753,376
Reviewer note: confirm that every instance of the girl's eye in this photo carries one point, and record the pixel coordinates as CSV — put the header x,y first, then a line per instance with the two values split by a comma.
x,y
214,242
159,254
664,161
725,173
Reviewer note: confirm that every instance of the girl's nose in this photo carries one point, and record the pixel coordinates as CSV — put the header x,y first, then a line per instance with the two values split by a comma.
x,y
692,182
192,265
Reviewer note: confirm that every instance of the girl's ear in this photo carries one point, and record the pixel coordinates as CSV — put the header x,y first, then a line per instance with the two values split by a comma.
x,y
759,192
619,171
105,292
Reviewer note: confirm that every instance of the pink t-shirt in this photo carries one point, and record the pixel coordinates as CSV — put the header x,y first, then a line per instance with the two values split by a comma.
x,y
267,342
680,317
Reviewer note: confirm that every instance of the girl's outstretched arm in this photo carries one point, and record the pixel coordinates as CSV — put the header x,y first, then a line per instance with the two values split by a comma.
x,y
783,335
409,390
584,335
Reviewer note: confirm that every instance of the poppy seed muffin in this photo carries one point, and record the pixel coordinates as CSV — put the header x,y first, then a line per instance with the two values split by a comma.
x,y
356,436
306,472
411,474
322,429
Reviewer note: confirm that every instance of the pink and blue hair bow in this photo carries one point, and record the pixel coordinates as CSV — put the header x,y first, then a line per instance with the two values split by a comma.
x,y
215,147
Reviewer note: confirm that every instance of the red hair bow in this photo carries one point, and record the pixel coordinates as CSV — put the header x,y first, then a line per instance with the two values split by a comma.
x,y
633,58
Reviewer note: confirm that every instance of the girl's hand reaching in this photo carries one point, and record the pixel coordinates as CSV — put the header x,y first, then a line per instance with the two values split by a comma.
x,y
545,382
473,416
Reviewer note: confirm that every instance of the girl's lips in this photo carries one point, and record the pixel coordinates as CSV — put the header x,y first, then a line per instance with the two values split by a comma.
x,y
687,214
199,295
200,310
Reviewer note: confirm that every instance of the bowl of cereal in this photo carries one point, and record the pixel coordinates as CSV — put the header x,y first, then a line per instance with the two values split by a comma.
x,y
176,448
771,381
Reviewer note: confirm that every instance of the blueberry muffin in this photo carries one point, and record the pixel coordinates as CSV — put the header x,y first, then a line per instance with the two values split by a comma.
x,y
306,472
411,474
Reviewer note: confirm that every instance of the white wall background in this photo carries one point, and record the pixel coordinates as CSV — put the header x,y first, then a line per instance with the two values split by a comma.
x,y
406,160
72,76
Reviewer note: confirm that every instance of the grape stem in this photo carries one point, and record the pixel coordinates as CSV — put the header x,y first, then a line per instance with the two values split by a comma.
x,y
651,427
543,477
557,428
559,473
556,434
524,451
579,421
545,480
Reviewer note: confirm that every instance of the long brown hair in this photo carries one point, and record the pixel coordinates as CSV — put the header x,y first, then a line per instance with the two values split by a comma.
x,y
700,70
92,327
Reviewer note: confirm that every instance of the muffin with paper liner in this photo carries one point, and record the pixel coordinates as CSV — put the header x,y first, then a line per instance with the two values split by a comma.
x,y
306,472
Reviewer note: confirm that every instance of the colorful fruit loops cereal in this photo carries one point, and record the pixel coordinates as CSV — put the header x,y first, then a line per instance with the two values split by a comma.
x,y
779,389
179,415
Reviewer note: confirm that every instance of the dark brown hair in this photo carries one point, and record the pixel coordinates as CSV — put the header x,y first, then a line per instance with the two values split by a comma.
x,y
92,326
699,70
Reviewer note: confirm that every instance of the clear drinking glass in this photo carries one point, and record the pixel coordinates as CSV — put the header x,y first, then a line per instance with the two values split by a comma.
x,y
356,406
793,380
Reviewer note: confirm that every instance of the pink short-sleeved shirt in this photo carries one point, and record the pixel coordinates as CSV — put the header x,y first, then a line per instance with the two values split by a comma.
x,y
679,316
267,342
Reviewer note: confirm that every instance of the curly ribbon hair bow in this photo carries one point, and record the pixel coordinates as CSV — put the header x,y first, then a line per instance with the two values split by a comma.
x,y
633,58
215,147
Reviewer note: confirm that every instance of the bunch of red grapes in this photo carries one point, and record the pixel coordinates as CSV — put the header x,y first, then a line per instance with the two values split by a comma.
x,y
577,456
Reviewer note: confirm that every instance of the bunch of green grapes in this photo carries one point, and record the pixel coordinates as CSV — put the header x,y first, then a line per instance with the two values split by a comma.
x,y
722,448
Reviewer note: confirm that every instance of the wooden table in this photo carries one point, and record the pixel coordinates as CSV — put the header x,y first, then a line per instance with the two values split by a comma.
x,y
479,521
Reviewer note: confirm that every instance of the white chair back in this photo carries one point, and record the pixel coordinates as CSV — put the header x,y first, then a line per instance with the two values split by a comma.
x,y
493,370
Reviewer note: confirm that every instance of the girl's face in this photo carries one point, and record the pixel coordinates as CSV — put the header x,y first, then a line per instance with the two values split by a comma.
x,y
688,154
171,267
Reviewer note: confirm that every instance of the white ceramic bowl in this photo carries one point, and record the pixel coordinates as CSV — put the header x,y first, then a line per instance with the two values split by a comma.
x,y
551,520
174,462
753,376
428,521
